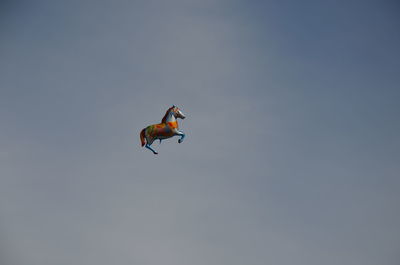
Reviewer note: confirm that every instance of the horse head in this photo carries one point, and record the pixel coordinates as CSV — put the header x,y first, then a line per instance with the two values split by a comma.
x,y
177,112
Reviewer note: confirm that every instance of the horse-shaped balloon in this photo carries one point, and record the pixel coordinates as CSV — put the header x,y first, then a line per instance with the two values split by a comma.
x,y
166,129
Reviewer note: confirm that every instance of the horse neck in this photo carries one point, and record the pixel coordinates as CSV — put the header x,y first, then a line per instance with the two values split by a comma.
x,y
170,118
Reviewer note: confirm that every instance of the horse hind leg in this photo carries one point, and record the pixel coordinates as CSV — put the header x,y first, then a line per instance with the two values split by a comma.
x,y
148,146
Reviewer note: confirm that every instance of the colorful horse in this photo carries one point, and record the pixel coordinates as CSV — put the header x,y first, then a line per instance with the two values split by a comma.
x,y
166,129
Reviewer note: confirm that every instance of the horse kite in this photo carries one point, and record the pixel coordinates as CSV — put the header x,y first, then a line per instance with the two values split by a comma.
x,y
166,129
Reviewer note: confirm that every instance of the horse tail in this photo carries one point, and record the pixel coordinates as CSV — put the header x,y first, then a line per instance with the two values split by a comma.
x,y
142,138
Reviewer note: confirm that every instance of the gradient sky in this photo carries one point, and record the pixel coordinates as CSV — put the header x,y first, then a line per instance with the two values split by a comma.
x,y
291,153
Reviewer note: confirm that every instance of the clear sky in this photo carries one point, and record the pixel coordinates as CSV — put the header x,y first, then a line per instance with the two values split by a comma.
x,y
292,148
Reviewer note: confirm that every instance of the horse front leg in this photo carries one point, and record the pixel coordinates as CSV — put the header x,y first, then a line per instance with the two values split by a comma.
x,y
181,134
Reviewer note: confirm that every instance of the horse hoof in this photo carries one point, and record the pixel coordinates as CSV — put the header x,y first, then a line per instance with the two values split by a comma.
x,y
179,141
155,153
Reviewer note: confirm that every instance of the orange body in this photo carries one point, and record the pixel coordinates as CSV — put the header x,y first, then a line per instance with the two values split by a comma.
x,y
158,131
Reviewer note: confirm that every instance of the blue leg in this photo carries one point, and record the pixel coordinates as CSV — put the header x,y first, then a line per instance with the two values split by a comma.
x,y
149,147
182,135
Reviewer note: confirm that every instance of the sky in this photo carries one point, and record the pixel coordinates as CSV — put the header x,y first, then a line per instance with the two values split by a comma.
x,y
291,153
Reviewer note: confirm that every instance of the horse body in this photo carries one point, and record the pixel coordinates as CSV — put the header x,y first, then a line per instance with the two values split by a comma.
x,y
166,129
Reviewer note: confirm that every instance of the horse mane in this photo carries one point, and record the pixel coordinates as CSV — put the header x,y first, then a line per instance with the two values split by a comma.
x,y
164,119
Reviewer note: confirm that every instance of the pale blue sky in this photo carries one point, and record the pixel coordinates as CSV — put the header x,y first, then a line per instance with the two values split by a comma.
x,y
292,148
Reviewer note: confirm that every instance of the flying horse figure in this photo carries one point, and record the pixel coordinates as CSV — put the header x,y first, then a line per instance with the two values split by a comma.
x,y
166,129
